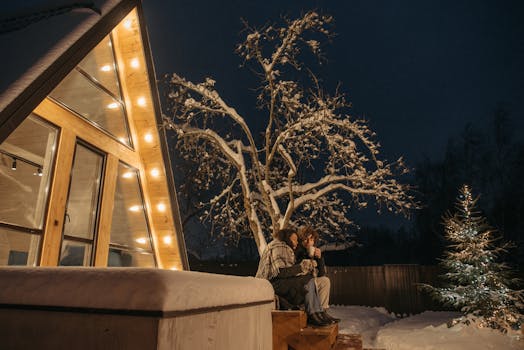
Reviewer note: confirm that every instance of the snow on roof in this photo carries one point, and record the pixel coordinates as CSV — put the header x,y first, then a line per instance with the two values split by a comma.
x,y
144,289
29,50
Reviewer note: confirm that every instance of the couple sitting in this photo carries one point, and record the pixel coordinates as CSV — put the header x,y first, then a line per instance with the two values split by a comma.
x,y
296,269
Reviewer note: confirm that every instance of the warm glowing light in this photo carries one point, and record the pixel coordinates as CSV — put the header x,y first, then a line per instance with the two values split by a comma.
x,y
128,24
148,137
155,172
167,239
174,268
105,68
161,207
141,101
135,63
122,139
141,240
112,105
127,175
134,208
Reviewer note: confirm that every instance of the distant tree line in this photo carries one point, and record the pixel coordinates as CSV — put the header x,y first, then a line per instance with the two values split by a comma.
x,y
489,158
491,161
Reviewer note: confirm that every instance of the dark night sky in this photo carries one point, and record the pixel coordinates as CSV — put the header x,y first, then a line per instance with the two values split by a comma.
x,y
417,70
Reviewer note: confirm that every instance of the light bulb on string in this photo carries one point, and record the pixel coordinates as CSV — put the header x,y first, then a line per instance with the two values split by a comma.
x,y
13,166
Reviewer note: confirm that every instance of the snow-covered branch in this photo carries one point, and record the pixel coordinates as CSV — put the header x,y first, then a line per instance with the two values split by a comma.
x,y
212,136
335,246
309,150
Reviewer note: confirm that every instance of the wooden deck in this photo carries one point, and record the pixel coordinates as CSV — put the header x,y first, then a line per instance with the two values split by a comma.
x,y
290,331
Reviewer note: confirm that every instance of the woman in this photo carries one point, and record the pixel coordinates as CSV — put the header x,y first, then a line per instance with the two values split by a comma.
x,y
294,282
308,239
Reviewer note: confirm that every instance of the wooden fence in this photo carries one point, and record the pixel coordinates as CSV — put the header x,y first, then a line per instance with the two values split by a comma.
x,y
391,286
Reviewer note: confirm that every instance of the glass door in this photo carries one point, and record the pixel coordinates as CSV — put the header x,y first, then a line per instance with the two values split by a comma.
x,y
81,218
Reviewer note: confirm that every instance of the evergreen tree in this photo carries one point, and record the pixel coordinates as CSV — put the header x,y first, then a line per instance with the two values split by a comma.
x,y
478,284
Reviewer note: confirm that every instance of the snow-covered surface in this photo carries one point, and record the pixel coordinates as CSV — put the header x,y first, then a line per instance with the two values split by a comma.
x,y
425,331
128,288
29,51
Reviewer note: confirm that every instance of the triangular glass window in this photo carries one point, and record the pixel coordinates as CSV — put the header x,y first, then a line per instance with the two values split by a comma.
x,y
100,65
92,91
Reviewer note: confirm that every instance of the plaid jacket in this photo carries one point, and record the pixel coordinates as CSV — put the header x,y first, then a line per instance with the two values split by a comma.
x,y
276,256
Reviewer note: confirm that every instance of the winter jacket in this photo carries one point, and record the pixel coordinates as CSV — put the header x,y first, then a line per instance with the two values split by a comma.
x,y
277,264
301,253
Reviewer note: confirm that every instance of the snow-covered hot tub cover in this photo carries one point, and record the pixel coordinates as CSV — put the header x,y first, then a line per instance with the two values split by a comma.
x,y
140,289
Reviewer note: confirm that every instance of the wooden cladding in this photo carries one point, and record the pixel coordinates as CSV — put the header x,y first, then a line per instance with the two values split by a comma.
x,y
144,127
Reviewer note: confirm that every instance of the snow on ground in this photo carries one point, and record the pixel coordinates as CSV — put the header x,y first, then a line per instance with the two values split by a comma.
x,y
425,331
362,320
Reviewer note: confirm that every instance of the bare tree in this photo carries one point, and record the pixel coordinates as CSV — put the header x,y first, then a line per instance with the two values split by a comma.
x,y
313,161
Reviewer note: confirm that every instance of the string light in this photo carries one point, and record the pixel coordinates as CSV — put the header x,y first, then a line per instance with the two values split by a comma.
x,y
128,24
155,172
148,137
13,166
141,101
135,63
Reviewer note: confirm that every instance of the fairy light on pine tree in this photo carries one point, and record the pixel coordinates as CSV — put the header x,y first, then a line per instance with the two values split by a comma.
x,y
477,283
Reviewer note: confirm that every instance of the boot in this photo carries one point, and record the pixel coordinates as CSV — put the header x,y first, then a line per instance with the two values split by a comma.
x,y
323,316
315,320
331,318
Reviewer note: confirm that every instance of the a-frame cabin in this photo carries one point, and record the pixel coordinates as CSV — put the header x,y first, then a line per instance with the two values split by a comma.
x,y
85,174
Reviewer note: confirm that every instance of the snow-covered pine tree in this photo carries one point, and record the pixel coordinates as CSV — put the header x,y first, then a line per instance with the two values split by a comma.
x,y
478,284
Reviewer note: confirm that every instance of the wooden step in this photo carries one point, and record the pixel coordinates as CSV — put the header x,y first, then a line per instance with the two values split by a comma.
x,y
295,319
286,323
314,338
290,330
321,331
348,342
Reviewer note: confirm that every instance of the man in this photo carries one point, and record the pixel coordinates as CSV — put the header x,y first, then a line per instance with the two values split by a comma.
x,y
307,249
